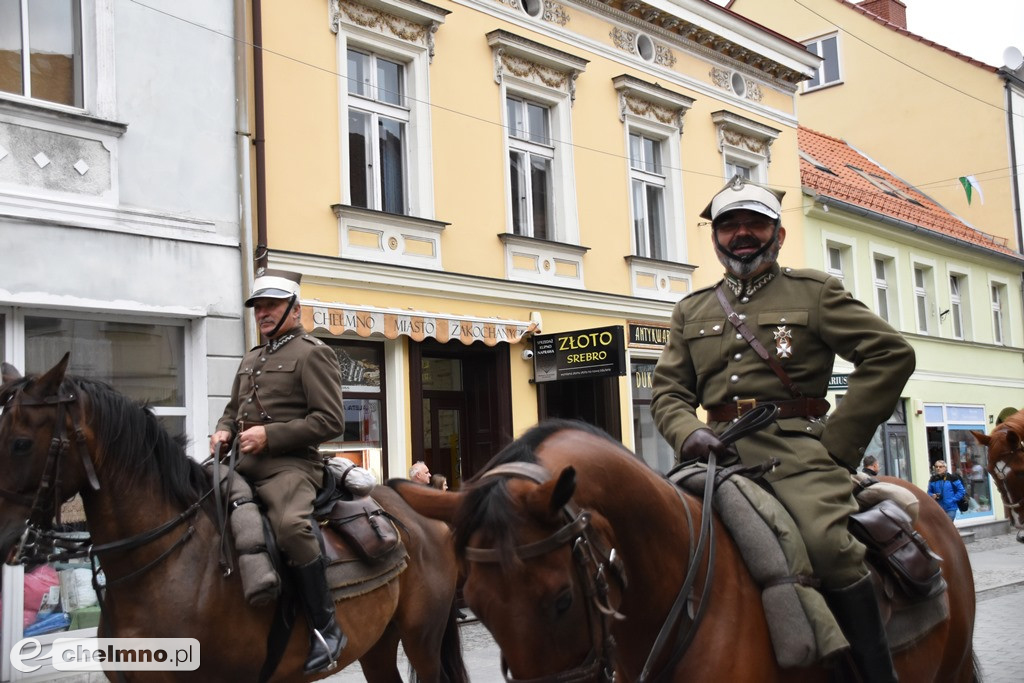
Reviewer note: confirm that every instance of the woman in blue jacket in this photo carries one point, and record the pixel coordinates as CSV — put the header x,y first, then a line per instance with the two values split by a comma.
x,y
946,489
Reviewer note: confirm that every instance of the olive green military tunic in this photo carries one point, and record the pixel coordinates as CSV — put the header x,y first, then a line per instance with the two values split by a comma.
x,y
292,386
804,318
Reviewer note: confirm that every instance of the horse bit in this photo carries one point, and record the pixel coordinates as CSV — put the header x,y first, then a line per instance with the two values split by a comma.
x,y
591,560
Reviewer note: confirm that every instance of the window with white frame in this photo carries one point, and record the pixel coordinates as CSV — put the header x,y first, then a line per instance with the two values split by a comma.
x,y
834,260
531,157
734,167
959,315
41,55
884,298
647,184
378,119
999,329
827,72
923,298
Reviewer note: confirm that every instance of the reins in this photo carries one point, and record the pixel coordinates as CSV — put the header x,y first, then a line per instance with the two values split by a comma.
x,y
1002,469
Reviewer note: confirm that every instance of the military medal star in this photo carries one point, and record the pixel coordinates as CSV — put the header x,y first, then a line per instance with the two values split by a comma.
x,y
783,342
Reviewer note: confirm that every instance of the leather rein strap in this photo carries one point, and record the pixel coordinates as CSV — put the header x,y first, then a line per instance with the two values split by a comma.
x,y
591,558
758,347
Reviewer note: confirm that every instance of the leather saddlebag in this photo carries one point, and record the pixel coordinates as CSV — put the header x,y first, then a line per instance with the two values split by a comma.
x,y
364,525
895,547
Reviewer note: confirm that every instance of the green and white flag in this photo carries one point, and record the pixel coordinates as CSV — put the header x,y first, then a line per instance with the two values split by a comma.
x,y
970,184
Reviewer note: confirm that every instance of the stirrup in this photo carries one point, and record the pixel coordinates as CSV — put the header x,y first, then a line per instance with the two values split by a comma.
x,y
333,664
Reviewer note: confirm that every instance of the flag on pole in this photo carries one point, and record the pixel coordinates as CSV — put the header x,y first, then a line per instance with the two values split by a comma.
x,y
970,184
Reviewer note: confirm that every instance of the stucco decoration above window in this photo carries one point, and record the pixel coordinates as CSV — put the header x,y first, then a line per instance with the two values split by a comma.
x,y
735,82
743,133
628,41
534,62
413,21
651,101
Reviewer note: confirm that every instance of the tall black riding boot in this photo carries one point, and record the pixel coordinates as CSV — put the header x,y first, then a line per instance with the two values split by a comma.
x,y
856,610
326,641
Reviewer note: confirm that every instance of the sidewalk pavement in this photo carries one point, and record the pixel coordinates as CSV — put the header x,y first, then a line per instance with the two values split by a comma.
x,y
998,564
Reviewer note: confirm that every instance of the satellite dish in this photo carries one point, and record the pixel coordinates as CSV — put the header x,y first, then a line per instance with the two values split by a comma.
x,y
1013,58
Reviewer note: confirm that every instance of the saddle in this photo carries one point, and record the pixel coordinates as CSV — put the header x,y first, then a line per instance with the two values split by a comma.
x,y
802,627
357,537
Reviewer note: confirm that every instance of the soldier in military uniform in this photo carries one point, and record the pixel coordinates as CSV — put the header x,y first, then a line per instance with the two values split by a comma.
x,y
285,402
802,319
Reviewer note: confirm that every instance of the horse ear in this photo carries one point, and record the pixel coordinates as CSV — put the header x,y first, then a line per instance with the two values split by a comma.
x,y
8,373
550,497
982,438
50,382
428,501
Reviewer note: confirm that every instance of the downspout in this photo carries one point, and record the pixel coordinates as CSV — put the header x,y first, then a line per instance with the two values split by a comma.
x,y
1014,175
242,136
259,143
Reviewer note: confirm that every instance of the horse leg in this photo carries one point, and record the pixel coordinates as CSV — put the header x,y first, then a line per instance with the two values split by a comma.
x,y
380,663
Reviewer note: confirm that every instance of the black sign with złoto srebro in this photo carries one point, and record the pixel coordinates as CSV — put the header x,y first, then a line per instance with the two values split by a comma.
x,y
598,352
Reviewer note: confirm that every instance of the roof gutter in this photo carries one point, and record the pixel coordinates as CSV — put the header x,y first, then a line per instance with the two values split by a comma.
x,y
831,202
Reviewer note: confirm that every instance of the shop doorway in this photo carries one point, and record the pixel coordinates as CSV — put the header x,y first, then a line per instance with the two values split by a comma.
x,y
461,411
592,400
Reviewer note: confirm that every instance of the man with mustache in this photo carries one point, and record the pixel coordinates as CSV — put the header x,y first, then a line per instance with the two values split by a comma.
x,y
285,402
796,322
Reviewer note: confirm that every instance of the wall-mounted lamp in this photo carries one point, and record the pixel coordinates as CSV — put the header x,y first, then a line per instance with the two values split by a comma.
x,y
943,314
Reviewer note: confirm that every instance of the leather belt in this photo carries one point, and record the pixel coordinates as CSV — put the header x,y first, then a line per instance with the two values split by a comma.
x,y
796,407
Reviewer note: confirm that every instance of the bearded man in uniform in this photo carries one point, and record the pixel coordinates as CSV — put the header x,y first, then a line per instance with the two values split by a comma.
x,y
801,320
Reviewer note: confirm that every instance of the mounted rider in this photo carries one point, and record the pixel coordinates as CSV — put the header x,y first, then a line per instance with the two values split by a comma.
x,y
285,402
798,321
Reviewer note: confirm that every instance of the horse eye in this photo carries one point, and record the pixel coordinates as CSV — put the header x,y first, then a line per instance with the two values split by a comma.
x,y
563,602
21,446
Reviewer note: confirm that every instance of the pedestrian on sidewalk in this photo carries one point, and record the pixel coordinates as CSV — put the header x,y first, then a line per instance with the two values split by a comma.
x,y
947,489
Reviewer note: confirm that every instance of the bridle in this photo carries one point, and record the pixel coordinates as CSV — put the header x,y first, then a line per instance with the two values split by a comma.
x,y
39,542
592,561
1002,470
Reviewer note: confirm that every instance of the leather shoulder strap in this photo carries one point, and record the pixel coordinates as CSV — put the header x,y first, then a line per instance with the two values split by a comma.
x,y
758,347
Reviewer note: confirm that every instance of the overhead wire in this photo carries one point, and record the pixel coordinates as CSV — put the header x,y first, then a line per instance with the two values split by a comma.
x,y
575,145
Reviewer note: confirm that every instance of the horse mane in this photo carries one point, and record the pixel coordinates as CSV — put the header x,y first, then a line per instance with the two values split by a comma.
x,y
487,504
132,441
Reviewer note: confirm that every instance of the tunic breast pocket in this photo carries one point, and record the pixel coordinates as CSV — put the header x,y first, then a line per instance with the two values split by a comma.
x,y
704,339
278,378
783,331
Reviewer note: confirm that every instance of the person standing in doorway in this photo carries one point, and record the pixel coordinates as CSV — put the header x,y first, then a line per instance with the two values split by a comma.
x,y
947,489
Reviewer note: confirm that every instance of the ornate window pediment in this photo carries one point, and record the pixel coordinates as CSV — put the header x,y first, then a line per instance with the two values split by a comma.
x,y
409,20
534,62
651,101
743,133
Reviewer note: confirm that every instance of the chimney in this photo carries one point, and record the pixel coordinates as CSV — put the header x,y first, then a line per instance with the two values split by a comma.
x,y
893,11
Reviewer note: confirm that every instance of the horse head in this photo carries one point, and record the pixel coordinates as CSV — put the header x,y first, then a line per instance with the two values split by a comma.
x,y
1006,463
538,570
40,428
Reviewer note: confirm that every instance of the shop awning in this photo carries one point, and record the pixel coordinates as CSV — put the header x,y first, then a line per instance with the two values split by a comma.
x,y
337,319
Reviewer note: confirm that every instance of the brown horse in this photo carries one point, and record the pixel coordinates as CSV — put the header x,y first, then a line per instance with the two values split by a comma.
x,y
134,479
1006,465
574,551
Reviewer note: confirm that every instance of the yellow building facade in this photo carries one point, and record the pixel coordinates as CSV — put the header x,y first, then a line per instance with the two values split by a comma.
x,y
494,205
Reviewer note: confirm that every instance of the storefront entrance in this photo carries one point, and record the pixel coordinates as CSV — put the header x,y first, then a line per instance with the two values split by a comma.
x,y
592,400
461,406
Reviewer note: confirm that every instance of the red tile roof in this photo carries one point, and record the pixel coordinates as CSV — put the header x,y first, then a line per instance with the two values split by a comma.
x,y
844,184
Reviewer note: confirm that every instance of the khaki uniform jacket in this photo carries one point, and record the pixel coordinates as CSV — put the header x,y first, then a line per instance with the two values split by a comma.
x,y
707,363
295,391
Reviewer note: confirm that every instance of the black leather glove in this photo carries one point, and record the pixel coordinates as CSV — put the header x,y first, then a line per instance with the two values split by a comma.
x,y
704,441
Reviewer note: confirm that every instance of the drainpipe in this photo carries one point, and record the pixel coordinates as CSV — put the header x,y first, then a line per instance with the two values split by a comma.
x,y
259,143
1014,173
242,136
